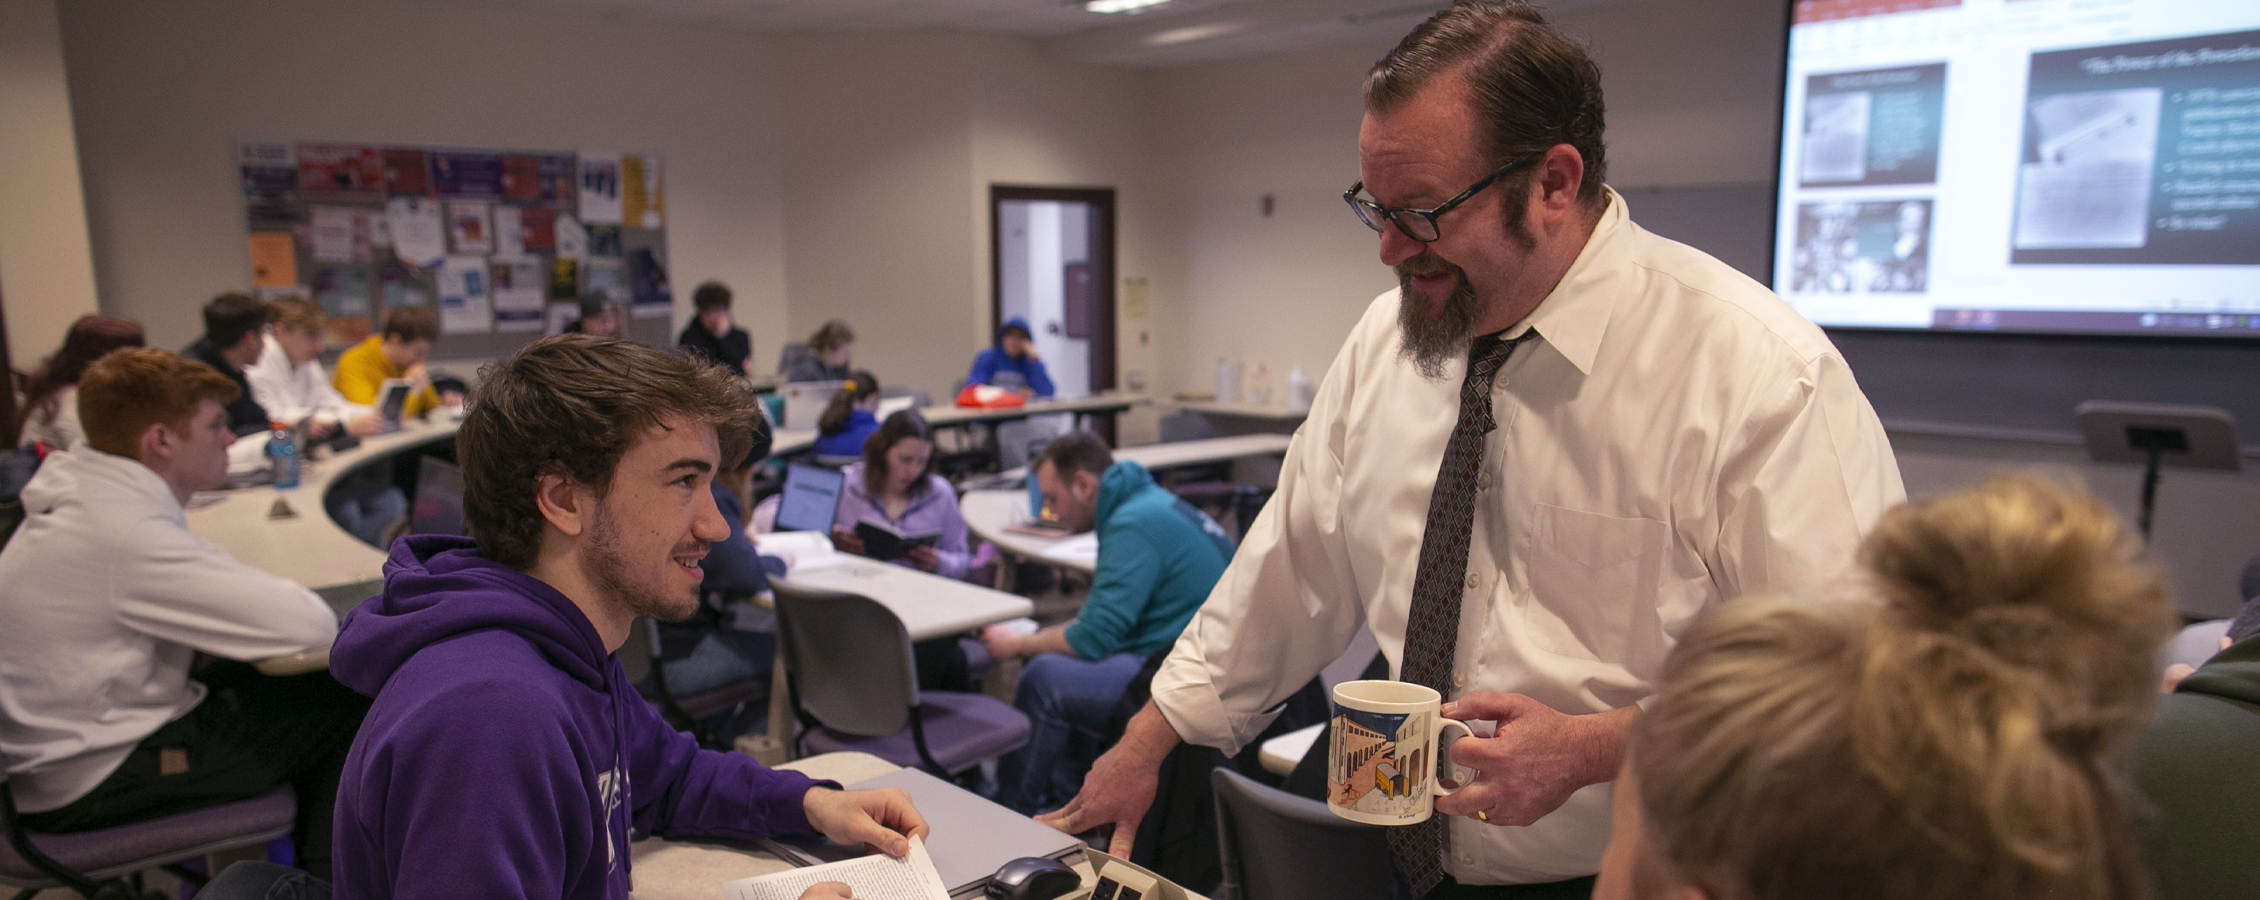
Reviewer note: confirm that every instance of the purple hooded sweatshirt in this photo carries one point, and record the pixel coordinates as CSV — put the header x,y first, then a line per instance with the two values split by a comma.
x,y
506,755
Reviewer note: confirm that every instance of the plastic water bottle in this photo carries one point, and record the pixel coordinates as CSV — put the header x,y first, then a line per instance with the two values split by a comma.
x,y
1298,389
282,455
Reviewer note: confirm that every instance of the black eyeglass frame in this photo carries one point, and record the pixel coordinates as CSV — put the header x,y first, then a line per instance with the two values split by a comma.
x,y
1367,210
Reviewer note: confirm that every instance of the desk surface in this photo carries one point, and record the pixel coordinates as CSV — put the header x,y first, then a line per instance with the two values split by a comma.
x,y
991,513
1238,410
1098,403
696,870
929,605
310,549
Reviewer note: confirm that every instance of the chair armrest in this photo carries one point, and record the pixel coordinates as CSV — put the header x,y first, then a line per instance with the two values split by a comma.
x,y
294,663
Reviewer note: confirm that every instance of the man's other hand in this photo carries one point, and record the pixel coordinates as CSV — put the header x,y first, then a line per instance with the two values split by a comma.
x,y
1535,759
1121,785
882,820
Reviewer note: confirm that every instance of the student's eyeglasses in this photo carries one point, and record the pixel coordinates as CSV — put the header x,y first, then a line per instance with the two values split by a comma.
x,y
1420,224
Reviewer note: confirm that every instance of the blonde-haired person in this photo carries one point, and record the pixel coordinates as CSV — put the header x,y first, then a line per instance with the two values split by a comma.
x,y
288,380
108,599
831,353
1946,740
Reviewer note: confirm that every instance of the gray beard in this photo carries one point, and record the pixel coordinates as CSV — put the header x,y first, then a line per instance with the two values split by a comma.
x,y
1428,342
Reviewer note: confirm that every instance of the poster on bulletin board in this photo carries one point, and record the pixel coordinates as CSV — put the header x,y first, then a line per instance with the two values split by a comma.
x,y
495,242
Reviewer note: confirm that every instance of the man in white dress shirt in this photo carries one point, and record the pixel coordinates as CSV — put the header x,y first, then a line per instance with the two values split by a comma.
x,y
1668,436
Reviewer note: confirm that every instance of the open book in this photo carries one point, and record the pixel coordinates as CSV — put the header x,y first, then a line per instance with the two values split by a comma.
x,y
874,877
885,544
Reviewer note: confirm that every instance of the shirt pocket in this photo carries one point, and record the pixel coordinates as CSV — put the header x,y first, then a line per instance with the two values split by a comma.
x,y
1589,574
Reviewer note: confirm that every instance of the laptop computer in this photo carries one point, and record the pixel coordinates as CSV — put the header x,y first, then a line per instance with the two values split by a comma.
x,y
972,837
805,401
811,498
392,399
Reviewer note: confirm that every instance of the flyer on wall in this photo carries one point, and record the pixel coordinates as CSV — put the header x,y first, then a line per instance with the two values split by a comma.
x,y
464,307
600,188
419,233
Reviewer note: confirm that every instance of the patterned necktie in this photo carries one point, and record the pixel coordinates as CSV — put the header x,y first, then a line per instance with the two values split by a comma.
x,y
1432,630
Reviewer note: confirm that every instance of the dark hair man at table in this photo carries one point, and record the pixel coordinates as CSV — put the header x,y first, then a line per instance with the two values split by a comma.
x,y
1158,558
233,341
711,335
1531,468
108,599
506,754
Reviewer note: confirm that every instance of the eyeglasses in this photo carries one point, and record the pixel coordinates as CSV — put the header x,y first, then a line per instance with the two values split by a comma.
x,y
1420,224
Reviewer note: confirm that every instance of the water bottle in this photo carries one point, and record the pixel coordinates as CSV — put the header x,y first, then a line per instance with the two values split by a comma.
x,y
282,455
1298,389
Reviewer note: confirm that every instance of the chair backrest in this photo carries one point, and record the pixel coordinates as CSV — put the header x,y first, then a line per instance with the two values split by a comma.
x,y
849,658
789,354
1278,846
1186,426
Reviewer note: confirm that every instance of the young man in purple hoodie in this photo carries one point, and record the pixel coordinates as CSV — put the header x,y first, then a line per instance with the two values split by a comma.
x,y
505,754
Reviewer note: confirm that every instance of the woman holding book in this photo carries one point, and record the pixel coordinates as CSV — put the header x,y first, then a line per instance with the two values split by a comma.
x,y
895,508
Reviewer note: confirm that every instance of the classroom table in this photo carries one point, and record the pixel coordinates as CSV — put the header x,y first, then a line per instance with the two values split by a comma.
x,y
694,869
1277,414
310,548
992,514
1101,404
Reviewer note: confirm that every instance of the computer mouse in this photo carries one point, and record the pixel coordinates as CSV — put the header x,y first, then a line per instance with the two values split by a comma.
x,y
1033,878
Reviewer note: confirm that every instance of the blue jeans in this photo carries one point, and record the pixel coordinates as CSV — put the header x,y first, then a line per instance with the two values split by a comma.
x,y
366,505
1067,702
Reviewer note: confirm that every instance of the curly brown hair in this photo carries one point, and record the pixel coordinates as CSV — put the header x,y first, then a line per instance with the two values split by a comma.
x,y
572,405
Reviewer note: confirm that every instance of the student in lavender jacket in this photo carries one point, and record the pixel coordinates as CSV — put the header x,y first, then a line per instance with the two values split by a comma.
x,y
506,755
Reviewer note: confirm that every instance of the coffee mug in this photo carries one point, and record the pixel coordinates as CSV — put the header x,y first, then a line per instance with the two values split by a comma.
x,y
1385,753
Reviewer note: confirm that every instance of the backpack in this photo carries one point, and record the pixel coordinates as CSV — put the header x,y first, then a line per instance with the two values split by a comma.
x,y
16,468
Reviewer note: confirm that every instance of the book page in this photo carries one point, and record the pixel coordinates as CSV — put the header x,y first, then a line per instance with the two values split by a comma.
x,y
874,877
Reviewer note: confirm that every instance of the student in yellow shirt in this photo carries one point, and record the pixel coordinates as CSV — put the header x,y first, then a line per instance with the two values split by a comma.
x,y
397,352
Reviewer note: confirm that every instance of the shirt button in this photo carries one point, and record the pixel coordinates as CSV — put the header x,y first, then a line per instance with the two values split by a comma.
x,y
1473,580
1467,860
1458,681
1483,482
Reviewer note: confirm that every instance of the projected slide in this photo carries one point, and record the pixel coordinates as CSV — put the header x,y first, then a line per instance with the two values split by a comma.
x,y
2041,166
1863,248
1876,127
2143,153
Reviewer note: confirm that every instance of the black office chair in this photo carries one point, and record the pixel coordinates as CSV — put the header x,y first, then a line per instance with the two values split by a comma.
x,y
1277,846
855,687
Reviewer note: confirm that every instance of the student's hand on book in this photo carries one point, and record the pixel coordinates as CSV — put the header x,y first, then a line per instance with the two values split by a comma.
x,y
845,541
828,890
924,557
883,820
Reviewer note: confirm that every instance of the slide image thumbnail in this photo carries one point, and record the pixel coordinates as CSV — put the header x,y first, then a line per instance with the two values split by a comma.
x,y
2142,154
1879,247
2087,183
1879,126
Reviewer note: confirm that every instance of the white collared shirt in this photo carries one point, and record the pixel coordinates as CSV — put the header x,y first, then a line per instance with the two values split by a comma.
x,y
106,599
1677,437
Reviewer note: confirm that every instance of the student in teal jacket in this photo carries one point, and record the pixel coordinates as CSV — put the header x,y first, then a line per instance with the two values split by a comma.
x,y
1158,559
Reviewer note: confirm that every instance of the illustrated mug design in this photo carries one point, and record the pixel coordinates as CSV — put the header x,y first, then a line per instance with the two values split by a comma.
x,y
1385,747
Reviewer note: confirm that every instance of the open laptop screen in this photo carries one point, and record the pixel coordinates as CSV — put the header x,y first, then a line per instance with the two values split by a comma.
x,y
812,496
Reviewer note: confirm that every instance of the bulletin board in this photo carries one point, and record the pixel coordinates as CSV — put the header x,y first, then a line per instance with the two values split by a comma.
x,y
499,244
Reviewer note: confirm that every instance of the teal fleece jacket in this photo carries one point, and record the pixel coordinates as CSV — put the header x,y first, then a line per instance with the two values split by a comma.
x,y
1158,559
2195,766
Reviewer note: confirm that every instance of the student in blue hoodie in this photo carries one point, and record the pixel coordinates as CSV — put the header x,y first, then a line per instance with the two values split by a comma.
x,y
505,754
1158,559
1014,356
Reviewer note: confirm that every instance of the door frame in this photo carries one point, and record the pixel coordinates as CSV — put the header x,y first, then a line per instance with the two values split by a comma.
x,y
1103,362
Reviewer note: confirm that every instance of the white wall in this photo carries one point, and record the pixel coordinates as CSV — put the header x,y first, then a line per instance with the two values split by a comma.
x,y
162,90
46,264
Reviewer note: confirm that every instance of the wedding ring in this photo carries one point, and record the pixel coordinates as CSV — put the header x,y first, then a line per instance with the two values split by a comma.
x,y
1480,814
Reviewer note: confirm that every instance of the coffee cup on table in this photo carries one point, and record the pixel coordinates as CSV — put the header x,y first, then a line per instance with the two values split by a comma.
x,y
1386,759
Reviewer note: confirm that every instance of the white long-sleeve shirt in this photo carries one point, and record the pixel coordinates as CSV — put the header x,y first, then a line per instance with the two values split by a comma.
x,y
106,597
1677,438
290,393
